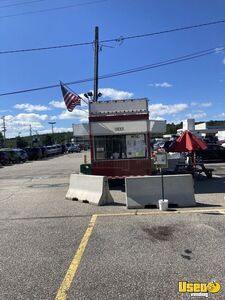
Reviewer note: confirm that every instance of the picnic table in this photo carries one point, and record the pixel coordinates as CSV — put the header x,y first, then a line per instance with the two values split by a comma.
x,y
197,168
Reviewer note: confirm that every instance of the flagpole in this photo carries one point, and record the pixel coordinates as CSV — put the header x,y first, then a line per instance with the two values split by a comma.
x,y
95,98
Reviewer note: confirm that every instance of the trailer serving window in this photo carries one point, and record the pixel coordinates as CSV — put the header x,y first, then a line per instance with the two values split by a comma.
x,y
120,146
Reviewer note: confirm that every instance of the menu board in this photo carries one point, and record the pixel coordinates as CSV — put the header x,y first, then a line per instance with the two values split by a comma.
x,y
135,144
161,160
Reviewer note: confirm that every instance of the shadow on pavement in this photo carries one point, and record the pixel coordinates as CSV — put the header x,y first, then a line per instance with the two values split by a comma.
x,y
199,204
210,186
116,204
117,185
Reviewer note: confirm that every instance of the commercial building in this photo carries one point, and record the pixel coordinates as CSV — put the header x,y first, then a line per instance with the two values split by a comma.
x,y
203,129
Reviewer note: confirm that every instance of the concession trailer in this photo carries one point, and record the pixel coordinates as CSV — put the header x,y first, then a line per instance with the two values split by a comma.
x,y
120,138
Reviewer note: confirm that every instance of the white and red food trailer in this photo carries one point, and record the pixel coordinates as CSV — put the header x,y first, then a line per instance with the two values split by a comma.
x,y
119,138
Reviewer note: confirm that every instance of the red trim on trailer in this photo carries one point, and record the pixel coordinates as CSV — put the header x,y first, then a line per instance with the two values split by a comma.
x,y
118,118
122,167
148,144
123,177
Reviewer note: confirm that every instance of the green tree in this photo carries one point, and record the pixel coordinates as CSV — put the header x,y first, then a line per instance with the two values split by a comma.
x,y
47,140
21,142
1,140
172,128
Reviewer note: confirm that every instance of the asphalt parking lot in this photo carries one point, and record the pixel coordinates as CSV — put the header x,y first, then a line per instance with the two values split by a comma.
x,y
52,248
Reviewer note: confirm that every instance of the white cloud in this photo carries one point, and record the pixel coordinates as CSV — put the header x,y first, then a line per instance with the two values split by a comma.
x,y
115,94
157,110
224,61
61,104
56,129
156,118
197,115
205,104
106,93
201,104
222,115
30,107
21,123
32,117
58,104
80,114
161,85
52,118
25,119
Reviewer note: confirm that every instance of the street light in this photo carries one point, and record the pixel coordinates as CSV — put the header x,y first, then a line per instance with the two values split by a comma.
x,y
89,95
52,123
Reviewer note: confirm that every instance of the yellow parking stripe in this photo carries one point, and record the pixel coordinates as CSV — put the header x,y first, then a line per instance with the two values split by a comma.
x,y
67,281
62,292
158,212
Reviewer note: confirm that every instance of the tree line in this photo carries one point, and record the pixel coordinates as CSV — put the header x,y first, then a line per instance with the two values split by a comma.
x,y
37,140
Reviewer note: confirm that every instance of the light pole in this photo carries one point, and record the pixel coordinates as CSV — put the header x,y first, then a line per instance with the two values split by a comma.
x,y
52,123
4,129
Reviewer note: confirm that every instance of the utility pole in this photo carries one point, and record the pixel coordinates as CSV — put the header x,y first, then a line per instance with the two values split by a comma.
x,y
30,130
95,98
4,128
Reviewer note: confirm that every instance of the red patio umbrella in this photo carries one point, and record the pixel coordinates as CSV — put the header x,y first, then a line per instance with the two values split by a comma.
x,y
187,142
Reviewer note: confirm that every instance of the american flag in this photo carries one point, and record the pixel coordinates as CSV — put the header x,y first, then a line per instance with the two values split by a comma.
x,y
71,99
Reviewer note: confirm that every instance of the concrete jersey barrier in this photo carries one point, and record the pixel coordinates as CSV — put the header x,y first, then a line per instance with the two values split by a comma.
x,y
147,190
89,188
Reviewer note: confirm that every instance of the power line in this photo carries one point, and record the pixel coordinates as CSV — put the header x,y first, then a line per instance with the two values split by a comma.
x,y
45,48
4,0
21,3
129,71
51,9
170,30
120,39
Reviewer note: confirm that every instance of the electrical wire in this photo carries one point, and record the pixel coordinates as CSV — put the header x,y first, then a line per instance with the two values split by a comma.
x,y
116,39
51,9
129,71
21,3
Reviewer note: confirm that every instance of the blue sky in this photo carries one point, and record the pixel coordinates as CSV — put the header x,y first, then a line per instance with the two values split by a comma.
x,y
193,88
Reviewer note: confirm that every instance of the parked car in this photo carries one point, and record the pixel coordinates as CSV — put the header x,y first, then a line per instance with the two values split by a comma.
x,y
13,156
22,155
44,151
163,144
158,144
58,149
73,148
4,157
53,150
83,147
214,153
64,149
34,153
167,144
